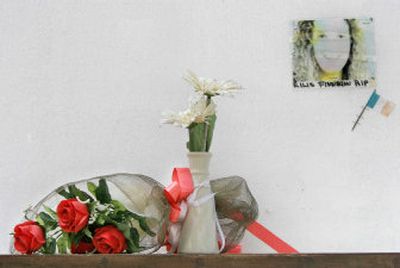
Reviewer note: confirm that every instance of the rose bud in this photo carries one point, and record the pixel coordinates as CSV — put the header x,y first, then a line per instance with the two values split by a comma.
x,y
28,237
82,248
109,239
73,216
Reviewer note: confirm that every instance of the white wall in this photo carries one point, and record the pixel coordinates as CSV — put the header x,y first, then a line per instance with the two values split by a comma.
x,y
83,84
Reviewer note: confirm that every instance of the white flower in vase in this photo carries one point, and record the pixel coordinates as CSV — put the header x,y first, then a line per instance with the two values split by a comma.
x,y
198,233
198,112
211,87
200,117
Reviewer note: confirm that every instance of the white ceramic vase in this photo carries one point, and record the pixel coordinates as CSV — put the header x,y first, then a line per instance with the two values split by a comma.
x,y
199,233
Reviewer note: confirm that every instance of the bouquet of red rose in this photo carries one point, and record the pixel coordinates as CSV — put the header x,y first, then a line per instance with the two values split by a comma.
x,y
121,213
84,222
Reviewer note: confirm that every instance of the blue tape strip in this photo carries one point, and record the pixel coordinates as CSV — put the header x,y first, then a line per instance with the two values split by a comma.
x,y
373,100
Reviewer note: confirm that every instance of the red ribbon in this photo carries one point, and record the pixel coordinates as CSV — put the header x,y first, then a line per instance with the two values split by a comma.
x,y
270,239
182,186
236,250
177,193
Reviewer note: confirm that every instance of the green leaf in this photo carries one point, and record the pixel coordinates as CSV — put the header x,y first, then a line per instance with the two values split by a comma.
x,y
92,205
102,193
118,205
50,246
40,221
210,130
87,232
91,187
119,216
76,238
132,215
46,221
131,235
134,236
145,227
101,219
78,193
133,241
197,142
51,212
124,228
61,191
142,222
63,243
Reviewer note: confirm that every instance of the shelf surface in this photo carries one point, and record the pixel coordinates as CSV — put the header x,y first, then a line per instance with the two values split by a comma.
x,y
364,260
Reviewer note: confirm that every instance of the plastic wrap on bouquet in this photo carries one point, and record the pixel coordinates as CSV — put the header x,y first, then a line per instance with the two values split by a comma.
x,y
139,195
114,199
236,208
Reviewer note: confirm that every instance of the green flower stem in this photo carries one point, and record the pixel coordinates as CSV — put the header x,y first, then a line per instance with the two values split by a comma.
x,y
206,126
200,134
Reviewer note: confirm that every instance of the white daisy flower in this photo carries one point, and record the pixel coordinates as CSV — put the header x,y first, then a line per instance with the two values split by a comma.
x,y
198,112
202,110
211,87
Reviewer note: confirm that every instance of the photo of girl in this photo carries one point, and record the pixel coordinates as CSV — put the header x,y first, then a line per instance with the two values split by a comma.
x,y
333,50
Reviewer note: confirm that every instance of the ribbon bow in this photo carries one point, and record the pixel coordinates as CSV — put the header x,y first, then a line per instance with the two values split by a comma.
x,y
177,194
181,194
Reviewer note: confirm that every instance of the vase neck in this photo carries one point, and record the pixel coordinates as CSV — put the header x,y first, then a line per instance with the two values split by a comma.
x,y
199,163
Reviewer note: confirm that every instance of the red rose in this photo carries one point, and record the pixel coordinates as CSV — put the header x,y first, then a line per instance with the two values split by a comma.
x,y
82,248
73,216
109,239
28,237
